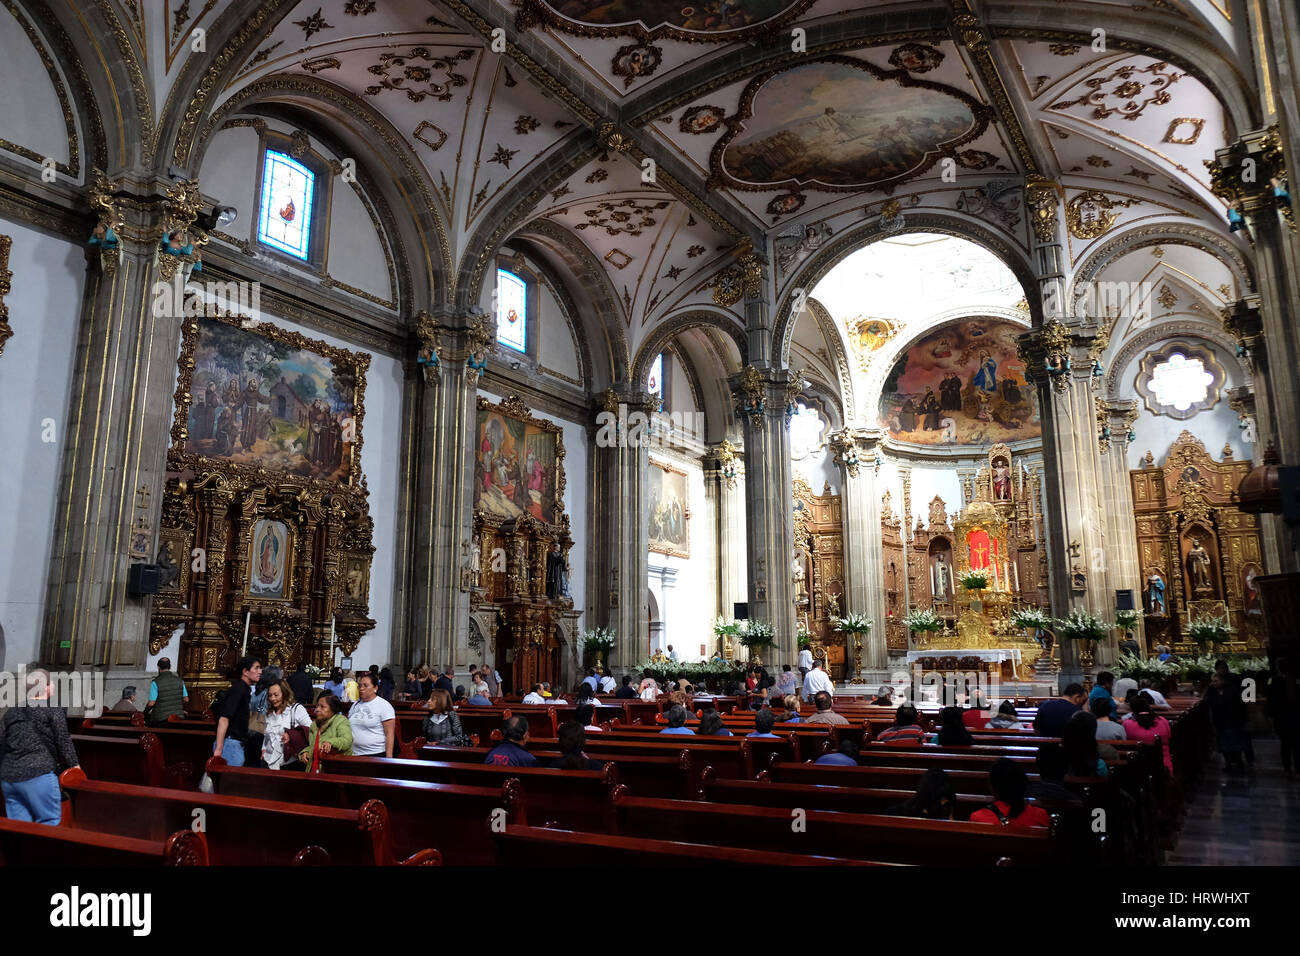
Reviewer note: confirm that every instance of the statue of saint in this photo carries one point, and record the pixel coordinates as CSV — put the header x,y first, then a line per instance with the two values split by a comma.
x,y
800,580
557,573
942,579
1156,596
1198,568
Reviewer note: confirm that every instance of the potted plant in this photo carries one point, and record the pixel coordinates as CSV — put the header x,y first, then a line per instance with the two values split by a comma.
x,y
1127,621
1209,630
1037,622
755,636
923,620
598,641
1081,625
857,625
975,581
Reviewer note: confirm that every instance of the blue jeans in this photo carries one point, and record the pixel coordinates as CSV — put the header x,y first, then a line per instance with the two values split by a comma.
x,y
37,800
233,752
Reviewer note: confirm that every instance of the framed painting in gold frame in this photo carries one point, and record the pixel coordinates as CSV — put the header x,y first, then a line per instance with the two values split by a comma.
x,y
668,495
518,462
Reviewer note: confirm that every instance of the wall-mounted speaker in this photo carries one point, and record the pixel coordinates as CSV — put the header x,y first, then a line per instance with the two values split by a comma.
x,y
740,610
143,579
1124,600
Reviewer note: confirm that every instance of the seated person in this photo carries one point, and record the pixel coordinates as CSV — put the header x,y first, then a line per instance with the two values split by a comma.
x,y
905,730
572,738
1006,718
1008,783
1107,729
711,725
1145,726
1122,686
823,701
845,756
534,696
884,697
787,683
935,798
511,752
1052,714
1158,701
330,733
586,716
791,714
975,716
1102,690
1050,787
1079,740
952,730
677,721
763,723
626,691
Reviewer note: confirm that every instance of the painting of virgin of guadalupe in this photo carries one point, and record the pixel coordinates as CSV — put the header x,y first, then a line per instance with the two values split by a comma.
x,y
268,560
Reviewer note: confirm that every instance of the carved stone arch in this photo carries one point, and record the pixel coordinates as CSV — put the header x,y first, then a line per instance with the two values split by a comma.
x,y
511,209
711,365
672,325
63,39
231,39
1185,327
850,241
839,354
826,395
601,333
1145,235
420,227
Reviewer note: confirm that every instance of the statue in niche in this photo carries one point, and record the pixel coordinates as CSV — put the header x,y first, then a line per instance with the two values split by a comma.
x,y
1198,568
942,579
166,562
557,573
1156,595
1001,480
800,579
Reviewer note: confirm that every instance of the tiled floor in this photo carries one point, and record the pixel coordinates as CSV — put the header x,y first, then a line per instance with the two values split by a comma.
x,y
1250,819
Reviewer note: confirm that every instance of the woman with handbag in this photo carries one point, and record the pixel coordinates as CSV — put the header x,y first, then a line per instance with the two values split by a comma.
x,y
35,747
286,728
330,733
442,726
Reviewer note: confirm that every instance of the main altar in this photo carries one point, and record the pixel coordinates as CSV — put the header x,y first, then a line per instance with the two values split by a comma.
x,y
984,638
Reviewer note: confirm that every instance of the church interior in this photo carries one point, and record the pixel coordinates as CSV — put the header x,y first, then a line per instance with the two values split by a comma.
x,y
948,347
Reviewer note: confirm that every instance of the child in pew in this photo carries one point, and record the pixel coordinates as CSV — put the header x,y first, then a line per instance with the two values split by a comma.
x,y
1008,783
572,738
329,734
935,798
585,715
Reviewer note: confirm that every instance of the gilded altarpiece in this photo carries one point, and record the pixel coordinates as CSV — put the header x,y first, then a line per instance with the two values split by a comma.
x,y
1199,554
1016,492
265,518
818,570
895,568
930,567
518,583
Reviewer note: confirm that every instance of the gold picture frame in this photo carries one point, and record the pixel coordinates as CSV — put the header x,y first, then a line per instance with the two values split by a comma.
x,y
668,498
271,564
506,438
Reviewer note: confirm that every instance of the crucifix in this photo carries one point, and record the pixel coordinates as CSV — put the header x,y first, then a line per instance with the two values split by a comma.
x,y
979,555
142,497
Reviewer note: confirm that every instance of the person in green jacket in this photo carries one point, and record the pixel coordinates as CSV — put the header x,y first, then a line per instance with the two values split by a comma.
x,y
333,729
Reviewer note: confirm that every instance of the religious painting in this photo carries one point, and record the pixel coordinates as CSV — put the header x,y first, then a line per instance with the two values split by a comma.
x,y
172,562
268,560
666,491
1250,590
841,124
961,384
709,20
699,120
517,463
271,400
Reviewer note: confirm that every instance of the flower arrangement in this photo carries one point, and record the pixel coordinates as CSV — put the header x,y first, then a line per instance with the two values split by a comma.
x,y
804,638
852,624
725,626
598,640
1031,619
1126,620
314,672
1153,669
1209,629
757,634
1082,625
696,672
924,620
975,581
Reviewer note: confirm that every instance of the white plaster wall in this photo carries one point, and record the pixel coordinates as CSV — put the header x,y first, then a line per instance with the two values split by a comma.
x,y
229,176
687,607
36,374
356,256
30,113
928,482
556,348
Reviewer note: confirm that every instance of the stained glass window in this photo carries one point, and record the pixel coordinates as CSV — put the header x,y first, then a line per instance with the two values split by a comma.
x,y
287,191
512,310
654,382
1180,382
806,428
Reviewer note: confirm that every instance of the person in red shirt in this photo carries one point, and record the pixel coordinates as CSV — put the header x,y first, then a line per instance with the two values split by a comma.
x,y
1008,808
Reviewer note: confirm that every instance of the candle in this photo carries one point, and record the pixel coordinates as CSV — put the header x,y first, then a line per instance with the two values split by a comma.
x,y
1015,572
332,642
248,615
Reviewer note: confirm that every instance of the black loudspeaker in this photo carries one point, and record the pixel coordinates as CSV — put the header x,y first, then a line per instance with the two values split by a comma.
x,y
1124,600
143,579
740,610
1289,486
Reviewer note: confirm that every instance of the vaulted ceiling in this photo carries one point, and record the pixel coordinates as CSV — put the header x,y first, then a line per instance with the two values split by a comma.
x,y
662,135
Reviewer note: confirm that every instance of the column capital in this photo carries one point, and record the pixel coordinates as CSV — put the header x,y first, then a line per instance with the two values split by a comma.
x,y
1251,176
768,390
148,219
1115,421
729,461
854,447
1046,354
443,336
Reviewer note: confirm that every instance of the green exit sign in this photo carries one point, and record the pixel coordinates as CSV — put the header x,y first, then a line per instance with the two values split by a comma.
x,y
65,643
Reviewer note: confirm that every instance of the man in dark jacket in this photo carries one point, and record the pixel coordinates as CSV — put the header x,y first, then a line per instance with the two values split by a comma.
x,y
300,684
167,694
35,748
444,682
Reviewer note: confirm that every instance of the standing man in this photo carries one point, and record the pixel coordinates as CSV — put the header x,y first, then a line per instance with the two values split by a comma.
x,y
444,682
672,654
805,662
232,715
300,684
591,680
817,682
167,694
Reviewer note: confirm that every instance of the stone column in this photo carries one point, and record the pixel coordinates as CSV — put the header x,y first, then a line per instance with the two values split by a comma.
x,y
452,354
115,434
764,405
1243,174
857,452
1122,559
620,523
724,487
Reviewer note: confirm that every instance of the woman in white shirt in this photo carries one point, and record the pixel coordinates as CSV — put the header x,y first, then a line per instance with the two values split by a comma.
x,y
373,720
283,713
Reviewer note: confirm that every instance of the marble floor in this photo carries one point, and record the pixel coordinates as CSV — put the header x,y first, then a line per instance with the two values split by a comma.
x,y
1236,819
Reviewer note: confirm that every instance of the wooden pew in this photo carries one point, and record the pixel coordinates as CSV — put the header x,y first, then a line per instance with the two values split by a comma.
x,y
576,799
240,831
536,846
885,778
137,760
855,835
764,793
448,816
185,750
38,845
